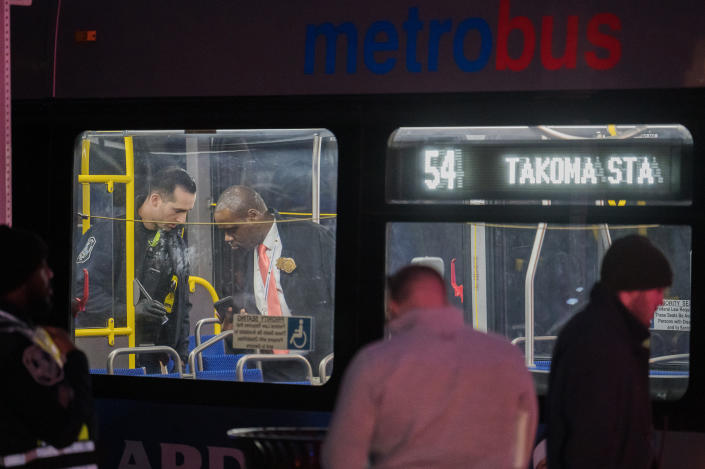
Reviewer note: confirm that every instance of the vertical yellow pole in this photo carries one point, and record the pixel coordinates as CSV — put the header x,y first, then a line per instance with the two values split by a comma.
x,y
130,241
642,229
86,188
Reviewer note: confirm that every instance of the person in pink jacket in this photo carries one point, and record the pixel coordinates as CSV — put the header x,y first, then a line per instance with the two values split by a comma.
x,y
436,394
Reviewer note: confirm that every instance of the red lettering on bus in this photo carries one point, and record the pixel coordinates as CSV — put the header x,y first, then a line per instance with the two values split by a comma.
x,y
604,41
504,27
570,51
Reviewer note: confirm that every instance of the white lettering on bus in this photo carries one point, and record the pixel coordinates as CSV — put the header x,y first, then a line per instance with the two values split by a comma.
x,y
555,170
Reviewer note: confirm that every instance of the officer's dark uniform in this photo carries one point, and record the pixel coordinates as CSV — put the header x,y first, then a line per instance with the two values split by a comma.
x,y
41,398
161,265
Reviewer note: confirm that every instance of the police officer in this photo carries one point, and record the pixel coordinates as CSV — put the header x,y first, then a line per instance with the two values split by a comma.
x,y
46,390
161,267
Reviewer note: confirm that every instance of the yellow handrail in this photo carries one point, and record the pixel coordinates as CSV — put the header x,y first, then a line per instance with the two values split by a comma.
x,y
86,190
130,242
110,179
106,177
193,281
111,331
128,179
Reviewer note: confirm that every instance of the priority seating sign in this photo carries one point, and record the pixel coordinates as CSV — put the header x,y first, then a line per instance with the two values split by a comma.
x,y
672,315
253,331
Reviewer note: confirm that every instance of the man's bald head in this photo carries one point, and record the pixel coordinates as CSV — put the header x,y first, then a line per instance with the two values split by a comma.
x,y
415,287
243,216
238,199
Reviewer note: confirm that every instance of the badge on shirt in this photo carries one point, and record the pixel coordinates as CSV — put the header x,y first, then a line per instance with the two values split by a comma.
x,y
85,253
286,264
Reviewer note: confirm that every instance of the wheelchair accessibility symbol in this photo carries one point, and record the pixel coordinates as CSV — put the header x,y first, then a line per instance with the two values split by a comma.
x,y
299,333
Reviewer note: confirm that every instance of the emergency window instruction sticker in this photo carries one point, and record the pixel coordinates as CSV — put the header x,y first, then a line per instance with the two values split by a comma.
x,y
252,331
85,253
672,315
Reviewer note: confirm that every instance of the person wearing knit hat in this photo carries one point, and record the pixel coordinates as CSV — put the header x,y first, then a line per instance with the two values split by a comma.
x,y
638,273
46,392
599,409
633,263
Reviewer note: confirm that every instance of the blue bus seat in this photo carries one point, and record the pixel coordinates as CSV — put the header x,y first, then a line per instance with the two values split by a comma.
x,y
215,349
220,362
251,375
120,371
668,373
545,365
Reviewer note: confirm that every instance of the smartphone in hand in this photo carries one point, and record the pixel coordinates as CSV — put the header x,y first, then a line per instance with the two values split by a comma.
x,y
224,307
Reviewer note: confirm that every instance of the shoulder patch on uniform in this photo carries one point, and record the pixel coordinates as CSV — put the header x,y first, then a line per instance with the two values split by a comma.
x,y
85,253
41,366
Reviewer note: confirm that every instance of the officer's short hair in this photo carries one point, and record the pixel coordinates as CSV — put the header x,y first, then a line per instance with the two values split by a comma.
x,y
165,181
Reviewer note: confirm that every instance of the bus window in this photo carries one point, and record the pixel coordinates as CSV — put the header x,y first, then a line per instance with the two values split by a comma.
x,y
206,255
487,272
525,281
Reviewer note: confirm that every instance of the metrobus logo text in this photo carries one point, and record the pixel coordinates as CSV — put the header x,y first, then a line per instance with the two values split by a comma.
x,y
381,45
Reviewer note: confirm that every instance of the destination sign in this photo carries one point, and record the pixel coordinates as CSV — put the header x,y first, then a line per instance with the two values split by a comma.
x,y
553,170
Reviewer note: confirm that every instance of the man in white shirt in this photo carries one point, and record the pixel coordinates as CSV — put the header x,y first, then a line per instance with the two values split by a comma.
x,y
294,258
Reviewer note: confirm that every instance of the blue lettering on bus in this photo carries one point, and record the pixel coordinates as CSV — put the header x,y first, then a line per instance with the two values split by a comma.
x,y
374,43
331,34
381,43
437,29
412,26
481,26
